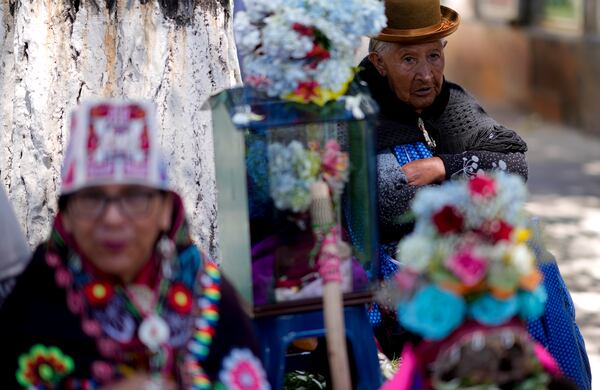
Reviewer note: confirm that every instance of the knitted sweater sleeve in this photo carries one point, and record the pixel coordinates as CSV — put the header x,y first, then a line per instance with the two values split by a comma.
x,y
474,141
394,196
471,162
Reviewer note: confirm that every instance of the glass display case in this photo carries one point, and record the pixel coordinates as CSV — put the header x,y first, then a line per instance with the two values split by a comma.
x,y
289,177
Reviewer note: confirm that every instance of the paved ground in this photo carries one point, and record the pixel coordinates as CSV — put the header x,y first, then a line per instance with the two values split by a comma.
x,y
564,185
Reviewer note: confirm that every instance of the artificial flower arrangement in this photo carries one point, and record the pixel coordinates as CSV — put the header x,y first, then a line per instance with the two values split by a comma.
x,y
294,171
467,258
303,50
468,281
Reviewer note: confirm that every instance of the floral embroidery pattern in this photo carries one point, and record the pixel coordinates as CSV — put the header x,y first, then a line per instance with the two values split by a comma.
x,y
106,312
43,366
180,298
243,371
471,167
98,293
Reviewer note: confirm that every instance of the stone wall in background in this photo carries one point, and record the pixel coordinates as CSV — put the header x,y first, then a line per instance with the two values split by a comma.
x,y
54,54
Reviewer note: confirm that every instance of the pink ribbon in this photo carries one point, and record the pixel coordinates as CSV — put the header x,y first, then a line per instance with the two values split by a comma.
x,y
329,258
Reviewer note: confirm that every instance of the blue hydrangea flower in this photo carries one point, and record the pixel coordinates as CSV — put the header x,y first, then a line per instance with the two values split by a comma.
x,y
292,169
432,312
532,303
489,310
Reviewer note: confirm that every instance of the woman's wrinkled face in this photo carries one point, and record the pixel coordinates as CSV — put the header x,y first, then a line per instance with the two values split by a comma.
x,y
116,226
414,72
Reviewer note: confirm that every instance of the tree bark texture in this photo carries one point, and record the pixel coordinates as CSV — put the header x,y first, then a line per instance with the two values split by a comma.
x,y
54,53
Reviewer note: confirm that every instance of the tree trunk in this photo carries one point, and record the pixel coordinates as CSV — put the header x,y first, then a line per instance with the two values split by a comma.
x,y
54,53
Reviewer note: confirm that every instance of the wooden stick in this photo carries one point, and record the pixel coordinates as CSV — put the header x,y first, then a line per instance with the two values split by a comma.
x,y
333,306
333,311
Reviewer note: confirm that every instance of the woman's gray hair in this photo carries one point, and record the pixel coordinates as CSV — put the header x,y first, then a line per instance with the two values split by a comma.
x,y
383,47
379,47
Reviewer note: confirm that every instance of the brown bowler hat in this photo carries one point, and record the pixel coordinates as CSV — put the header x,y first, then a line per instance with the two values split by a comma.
x,y
415,21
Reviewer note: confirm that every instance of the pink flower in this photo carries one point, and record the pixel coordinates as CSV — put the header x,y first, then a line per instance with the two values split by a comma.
x,y
469,268
258,81
448,220
335,162
243,371
406,280
245,376
482,186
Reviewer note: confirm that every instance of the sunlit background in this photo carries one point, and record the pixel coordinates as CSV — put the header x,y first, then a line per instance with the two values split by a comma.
x,y
535,65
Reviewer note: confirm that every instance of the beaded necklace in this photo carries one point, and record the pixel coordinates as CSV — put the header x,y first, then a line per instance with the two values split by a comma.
x,y
80,286
198,347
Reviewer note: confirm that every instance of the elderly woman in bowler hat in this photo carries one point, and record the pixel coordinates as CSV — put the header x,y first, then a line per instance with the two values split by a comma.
x,y
431,130
119,297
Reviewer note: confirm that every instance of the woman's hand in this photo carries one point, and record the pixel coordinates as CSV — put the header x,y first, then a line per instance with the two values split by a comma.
x,y
141,382
425,171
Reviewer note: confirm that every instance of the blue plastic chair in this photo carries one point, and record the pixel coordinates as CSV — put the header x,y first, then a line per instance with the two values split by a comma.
x,y
276,332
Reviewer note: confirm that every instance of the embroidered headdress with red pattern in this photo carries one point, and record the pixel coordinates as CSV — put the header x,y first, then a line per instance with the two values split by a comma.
x,y
113,142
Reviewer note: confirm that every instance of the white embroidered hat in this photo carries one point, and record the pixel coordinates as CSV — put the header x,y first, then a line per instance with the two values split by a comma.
x,y
113,142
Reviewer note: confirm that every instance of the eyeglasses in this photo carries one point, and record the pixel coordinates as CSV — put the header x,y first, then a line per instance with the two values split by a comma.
x,y
93,204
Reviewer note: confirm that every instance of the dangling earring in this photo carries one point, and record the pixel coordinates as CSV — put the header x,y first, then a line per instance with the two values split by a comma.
x,y
166,250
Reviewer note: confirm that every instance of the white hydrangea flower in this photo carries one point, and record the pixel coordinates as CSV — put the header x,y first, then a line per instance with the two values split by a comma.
x,y
287,44
415,252
522,258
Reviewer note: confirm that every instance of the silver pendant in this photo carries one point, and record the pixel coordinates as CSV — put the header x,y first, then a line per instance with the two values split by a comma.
x,y
430,141
154,332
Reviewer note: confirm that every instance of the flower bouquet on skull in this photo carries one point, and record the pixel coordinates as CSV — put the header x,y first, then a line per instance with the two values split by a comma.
x,y
304,50
467,284
305,184
468,258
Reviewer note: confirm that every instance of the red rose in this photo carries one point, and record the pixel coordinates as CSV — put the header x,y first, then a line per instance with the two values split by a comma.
x,y
448,220
483,186
500,230
306,89
318,52
98,293
303,30
180,298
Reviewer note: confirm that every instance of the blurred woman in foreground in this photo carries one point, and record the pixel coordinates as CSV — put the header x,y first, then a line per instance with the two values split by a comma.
x,y
119,296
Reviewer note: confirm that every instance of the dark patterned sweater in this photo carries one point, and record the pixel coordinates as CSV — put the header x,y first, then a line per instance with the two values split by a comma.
x,y
467,141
